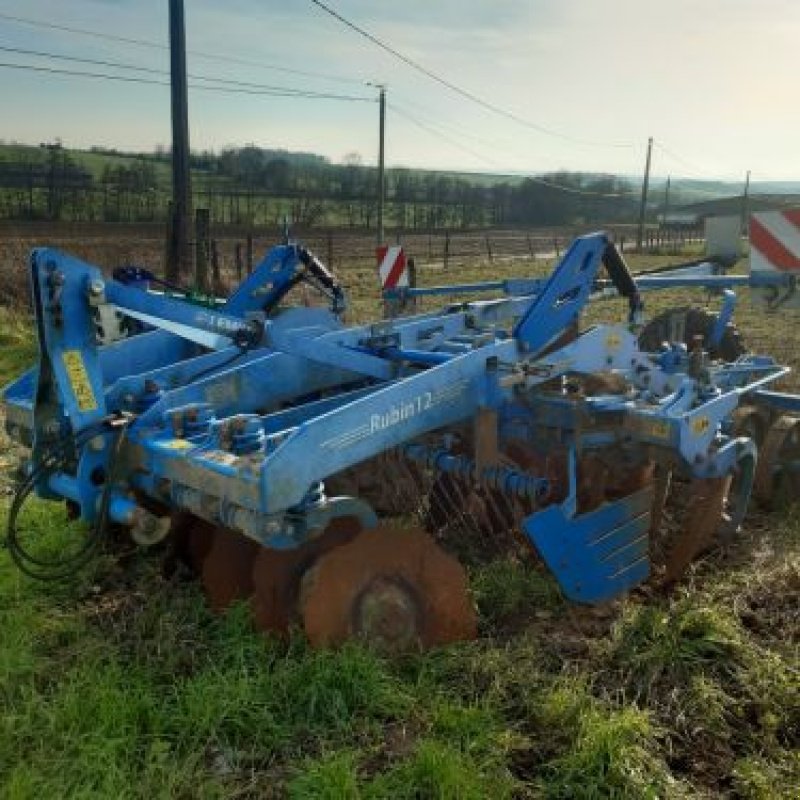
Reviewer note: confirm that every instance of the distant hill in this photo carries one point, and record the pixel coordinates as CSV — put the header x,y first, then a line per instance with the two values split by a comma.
x,y
255,185
733,205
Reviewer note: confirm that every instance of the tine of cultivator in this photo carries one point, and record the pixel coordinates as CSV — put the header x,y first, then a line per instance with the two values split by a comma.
x,y
599,554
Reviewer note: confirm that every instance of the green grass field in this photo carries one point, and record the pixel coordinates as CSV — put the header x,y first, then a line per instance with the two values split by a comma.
x,y
121,683
93,161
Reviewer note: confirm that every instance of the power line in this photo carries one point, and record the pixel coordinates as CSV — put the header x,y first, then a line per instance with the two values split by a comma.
x,y
433,132
223,89
702,174
699,175
587,192
465,134
81,60
541,181
481,141
719,194
98,75
444,126
677,158
468,95
158,46
152,71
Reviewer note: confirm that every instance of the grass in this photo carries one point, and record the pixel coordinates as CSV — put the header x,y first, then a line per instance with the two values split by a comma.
x,y
121,683
17,346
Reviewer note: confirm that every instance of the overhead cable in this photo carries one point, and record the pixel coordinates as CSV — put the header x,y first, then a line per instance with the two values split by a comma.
x,y
465,93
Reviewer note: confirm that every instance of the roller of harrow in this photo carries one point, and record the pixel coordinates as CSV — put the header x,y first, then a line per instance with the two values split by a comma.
x,y
320,472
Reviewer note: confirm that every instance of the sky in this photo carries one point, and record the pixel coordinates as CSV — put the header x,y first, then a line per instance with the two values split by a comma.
x,y
573,84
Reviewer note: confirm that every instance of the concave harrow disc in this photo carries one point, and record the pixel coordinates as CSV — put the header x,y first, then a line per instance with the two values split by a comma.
x,y
393,587
190,542
691,517
777,482
277,574
692,529
227,569
683,325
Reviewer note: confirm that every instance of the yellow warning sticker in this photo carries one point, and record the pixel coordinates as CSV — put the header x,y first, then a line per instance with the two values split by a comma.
x,y
700,425
176,444
613,341
79,380
656,429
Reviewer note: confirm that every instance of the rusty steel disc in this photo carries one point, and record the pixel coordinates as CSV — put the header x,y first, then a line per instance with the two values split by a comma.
x,y
593,478
751,422
190,540
227,569
277,574
630,479
393,587
695,531
775,485
662,487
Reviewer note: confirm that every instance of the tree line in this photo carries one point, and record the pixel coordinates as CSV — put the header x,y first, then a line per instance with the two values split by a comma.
x,y
256,186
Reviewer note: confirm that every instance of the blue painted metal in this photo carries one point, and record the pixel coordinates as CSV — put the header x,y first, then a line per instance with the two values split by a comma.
x,y
512,482
723,318
240,414
564,295
702,275
780,401
597,555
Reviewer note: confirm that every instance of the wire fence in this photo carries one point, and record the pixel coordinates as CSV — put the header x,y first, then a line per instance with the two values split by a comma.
x,y
112,244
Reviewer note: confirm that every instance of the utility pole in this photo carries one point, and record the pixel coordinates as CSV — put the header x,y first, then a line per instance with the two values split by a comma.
x,y
381,160
643,207
745,202
178,261
666,200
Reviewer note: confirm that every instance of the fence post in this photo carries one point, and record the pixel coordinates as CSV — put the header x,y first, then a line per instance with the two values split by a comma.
x,y
446,248
555,247
489,247
330,250
530,246
238,259
216,276
410,303
249,253
169,231
201,248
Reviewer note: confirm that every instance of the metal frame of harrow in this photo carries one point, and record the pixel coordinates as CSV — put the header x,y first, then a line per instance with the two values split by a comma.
x,y
238,415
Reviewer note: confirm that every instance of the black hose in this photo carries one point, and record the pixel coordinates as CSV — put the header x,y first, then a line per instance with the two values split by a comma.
x,y
55,458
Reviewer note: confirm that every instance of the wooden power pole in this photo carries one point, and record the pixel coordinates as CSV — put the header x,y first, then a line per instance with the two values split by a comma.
x,y
178,256
381,161
643,206
745,202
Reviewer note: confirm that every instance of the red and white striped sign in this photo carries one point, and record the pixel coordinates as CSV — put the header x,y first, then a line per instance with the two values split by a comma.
x,y
392,266
775,241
